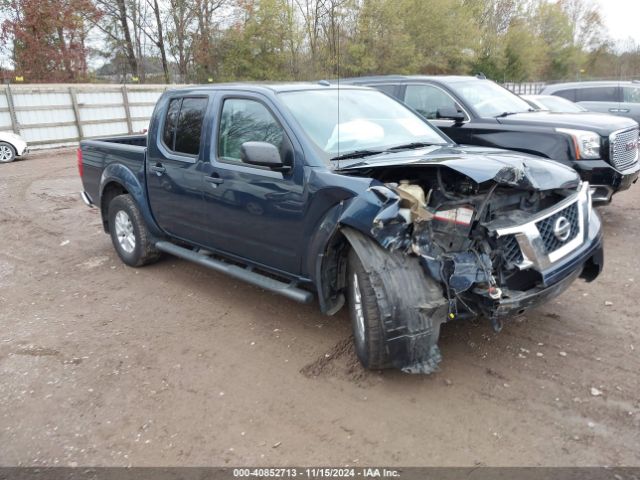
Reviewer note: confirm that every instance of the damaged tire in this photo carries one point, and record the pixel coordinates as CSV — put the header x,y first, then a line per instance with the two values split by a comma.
x,y
129,233
396,307
366,321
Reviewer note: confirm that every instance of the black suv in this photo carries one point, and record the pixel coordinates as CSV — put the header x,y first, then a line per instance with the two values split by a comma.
x,y
473,110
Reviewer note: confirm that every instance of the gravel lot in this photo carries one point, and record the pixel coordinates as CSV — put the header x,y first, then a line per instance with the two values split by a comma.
x,y
173,364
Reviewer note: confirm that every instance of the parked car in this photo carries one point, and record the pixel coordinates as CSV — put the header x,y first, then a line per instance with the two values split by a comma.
x,y
614,97
363,202
477,111
12,146
552,103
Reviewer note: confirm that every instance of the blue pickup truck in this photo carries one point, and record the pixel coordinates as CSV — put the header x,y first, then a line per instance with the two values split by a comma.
x,y
345,195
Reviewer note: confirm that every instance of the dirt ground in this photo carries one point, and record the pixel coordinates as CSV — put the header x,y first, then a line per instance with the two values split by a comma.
x,y
173,364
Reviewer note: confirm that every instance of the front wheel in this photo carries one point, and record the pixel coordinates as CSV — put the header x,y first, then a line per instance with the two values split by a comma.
x,y
7,152
366,320
129,233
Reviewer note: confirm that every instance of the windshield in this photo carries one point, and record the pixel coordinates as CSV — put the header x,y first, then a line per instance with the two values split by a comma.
x,y
350,120
489,99
559,104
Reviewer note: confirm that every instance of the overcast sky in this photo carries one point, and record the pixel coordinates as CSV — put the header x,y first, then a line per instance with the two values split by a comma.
x,y
622,18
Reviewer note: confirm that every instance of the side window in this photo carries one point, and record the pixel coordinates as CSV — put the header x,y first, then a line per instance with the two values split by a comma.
x,y
427,99
631,94
189,128
245,120
183,125
391,90
597,94
168,134
569,94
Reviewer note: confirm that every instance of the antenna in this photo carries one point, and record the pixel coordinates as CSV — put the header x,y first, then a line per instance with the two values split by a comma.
x,y
338,72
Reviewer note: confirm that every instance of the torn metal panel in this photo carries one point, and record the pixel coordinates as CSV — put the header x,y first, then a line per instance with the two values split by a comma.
x,y
468,269
378,213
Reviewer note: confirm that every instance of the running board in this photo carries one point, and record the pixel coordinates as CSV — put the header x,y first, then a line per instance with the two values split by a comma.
x,y
289,290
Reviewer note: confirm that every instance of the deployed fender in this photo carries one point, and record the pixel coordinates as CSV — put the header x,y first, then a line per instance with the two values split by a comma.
x,y
123,176
324,254
411,304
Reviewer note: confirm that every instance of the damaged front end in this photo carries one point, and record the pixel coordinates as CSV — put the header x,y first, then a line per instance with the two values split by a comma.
x,y
495,245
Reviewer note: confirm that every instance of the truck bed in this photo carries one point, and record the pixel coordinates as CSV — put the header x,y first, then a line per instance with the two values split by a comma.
x,y
98,154
134,140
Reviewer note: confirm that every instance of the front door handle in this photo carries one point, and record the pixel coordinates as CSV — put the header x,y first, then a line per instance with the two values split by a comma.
x,y
159,169
214,180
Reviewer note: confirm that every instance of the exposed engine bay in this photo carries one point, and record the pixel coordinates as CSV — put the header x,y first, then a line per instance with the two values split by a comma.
x,y
447,222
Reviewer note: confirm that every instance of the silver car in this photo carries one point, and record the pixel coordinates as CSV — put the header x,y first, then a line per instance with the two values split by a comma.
x,y
615,97
552,103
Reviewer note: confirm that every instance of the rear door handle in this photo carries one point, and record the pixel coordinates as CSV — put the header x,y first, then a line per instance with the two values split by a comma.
x,y
159,169
214,180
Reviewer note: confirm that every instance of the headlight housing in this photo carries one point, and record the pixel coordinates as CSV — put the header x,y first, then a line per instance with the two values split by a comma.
x,y
586,143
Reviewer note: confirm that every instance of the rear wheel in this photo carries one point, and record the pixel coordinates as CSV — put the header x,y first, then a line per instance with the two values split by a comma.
x,y
7,152
366,320
129,233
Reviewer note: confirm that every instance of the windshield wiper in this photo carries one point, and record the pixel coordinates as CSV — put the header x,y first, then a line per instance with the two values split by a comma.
x,y
506,114
356,154
410,146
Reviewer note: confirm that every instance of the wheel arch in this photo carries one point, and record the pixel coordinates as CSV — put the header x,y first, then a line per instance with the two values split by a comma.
x,y
120,180
13,147
329,248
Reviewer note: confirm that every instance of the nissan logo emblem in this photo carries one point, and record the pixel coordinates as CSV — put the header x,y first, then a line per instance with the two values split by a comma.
x,y
562,228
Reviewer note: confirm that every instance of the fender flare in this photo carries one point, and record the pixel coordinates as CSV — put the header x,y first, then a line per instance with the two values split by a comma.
x,y
123,176
411,304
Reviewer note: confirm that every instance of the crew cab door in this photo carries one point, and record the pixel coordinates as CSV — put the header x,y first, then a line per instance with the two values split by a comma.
x,y
254,212
174,168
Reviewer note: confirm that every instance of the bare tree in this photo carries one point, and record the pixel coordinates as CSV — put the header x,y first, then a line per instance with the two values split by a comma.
x,y
181,18
128,43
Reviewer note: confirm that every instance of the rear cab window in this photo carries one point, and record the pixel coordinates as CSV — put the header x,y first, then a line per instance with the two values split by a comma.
x,y
182,130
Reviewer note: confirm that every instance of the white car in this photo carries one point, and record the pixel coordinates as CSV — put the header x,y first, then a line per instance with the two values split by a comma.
x,y
11,147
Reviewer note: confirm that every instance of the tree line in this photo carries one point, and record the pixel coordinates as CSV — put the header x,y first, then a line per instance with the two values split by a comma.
x,y
180,41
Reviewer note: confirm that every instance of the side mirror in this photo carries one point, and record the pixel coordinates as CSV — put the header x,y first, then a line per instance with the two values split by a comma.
x,y
450,113
263,154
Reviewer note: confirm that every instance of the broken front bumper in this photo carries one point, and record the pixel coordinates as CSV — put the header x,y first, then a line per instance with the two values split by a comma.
x,y
580,257
586,263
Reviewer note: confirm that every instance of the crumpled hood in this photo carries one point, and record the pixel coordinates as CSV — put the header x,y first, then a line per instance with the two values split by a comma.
x,y
601,123
478,163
